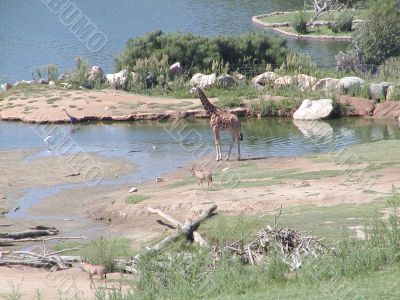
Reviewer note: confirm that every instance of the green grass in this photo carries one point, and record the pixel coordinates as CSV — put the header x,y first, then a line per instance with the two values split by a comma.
x,y
134,199
320,30
181,183
290,17
182,271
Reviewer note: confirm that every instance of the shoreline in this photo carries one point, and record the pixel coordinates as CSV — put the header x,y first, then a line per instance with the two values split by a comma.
x,y
277,27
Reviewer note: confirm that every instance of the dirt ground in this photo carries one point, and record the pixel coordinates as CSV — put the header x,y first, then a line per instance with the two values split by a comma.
x,y
31,283
263,185
46,104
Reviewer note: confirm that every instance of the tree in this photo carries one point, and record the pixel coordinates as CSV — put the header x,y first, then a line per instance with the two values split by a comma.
x,y
375,41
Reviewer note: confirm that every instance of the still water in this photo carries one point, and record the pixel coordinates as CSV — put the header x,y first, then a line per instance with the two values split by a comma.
x,y
31,35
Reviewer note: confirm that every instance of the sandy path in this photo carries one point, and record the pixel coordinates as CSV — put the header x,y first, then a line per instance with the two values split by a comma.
x,y
29,283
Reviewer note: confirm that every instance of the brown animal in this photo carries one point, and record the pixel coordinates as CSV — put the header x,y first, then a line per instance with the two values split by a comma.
x,y
94,270
202,175
221,120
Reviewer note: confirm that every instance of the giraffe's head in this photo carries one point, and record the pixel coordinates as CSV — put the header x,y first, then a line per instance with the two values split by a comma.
x,y
196,90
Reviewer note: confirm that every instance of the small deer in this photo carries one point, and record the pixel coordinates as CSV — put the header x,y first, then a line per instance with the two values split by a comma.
x,y
202,175
94,270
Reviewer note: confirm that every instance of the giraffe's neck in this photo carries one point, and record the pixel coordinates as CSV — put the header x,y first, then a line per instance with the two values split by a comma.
x,y
208,106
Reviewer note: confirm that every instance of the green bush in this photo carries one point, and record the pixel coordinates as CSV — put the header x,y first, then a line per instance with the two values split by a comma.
x,y
229,101
200,53
49,72
300,23
376,40
343,22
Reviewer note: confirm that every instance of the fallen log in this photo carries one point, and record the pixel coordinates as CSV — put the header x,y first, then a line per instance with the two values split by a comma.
x,y
21,262
187,230
28,234
12,241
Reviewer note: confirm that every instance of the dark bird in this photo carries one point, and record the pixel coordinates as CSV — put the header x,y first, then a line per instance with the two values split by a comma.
x,y
72,119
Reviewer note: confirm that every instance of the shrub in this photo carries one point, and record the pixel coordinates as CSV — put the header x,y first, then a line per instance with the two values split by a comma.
x,y
49,72
102,252
229,102
300,23
343,22
199,53
377,39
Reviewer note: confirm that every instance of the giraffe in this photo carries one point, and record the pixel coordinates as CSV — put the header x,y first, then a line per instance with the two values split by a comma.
x,y
221,120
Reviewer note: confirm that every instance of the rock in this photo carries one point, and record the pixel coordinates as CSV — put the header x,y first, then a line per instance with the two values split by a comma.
x,y
5,87
387,109
240,77
52,83
378,91
202,80
285,80
17,83
175,68
393,93
226,80
314,110
326,84
30,82
355,107
42,81
150,81
347,83
133,190
159,179
117,79
265,78
256,86
66,85
96,74
305,82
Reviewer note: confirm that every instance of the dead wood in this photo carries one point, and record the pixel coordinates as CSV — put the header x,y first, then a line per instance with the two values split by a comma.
x,y
186,230
28,234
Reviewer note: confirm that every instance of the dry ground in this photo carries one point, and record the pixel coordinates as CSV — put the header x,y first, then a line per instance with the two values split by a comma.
x,y
263,185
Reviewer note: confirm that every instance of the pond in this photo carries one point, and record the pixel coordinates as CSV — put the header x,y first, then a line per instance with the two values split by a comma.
x,y
160,147
31,35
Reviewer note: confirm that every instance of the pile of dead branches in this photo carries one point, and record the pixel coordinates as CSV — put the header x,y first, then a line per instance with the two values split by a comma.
x,y
291,246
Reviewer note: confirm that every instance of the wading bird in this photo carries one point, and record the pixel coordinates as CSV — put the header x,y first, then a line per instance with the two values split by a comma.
x,y
72,119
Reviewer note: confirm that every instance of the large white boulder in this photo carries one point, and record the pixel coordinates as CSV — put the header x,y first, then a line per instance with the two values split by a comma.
x,y
202,80
5,87
314,110
305,81
265,78
378,91
326,84
226,80
119,78
285,80
96,74
347,83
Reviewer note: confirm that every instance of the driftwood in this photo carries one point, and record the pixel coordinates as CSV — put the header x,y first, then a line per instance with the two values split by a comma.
x,y
12,241
186,230
28,234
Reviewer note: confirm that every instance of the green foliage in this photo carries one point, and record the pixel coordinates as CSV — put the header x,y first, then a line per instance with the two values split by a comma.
x,y
297,64
200,53
49,72
390,70
229,101
377,39
343,22
79,76
300,22
136,199
275,107
104,252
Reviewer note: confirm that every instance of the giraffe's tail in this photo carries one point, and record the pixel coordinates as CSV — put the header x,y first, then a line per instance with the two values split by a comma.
x,y
241,136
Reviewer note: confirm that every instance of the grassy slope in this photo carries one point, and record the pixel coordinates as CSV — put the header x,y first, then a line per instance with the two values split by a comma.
x,y
290,17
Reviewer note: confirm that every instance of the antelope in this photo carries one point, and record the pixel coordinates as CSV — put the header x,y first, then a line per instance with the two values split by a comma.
x,y
202,175
94,270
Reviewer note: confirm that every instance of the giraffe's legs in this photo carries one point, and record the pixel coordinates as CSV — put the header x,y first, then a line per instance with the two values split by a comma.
x,y
230,147
238,141
217,145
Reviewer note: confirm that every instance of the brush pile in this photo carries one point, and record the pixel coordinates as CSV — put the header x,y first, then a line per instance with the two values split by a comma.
x,y
290,245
